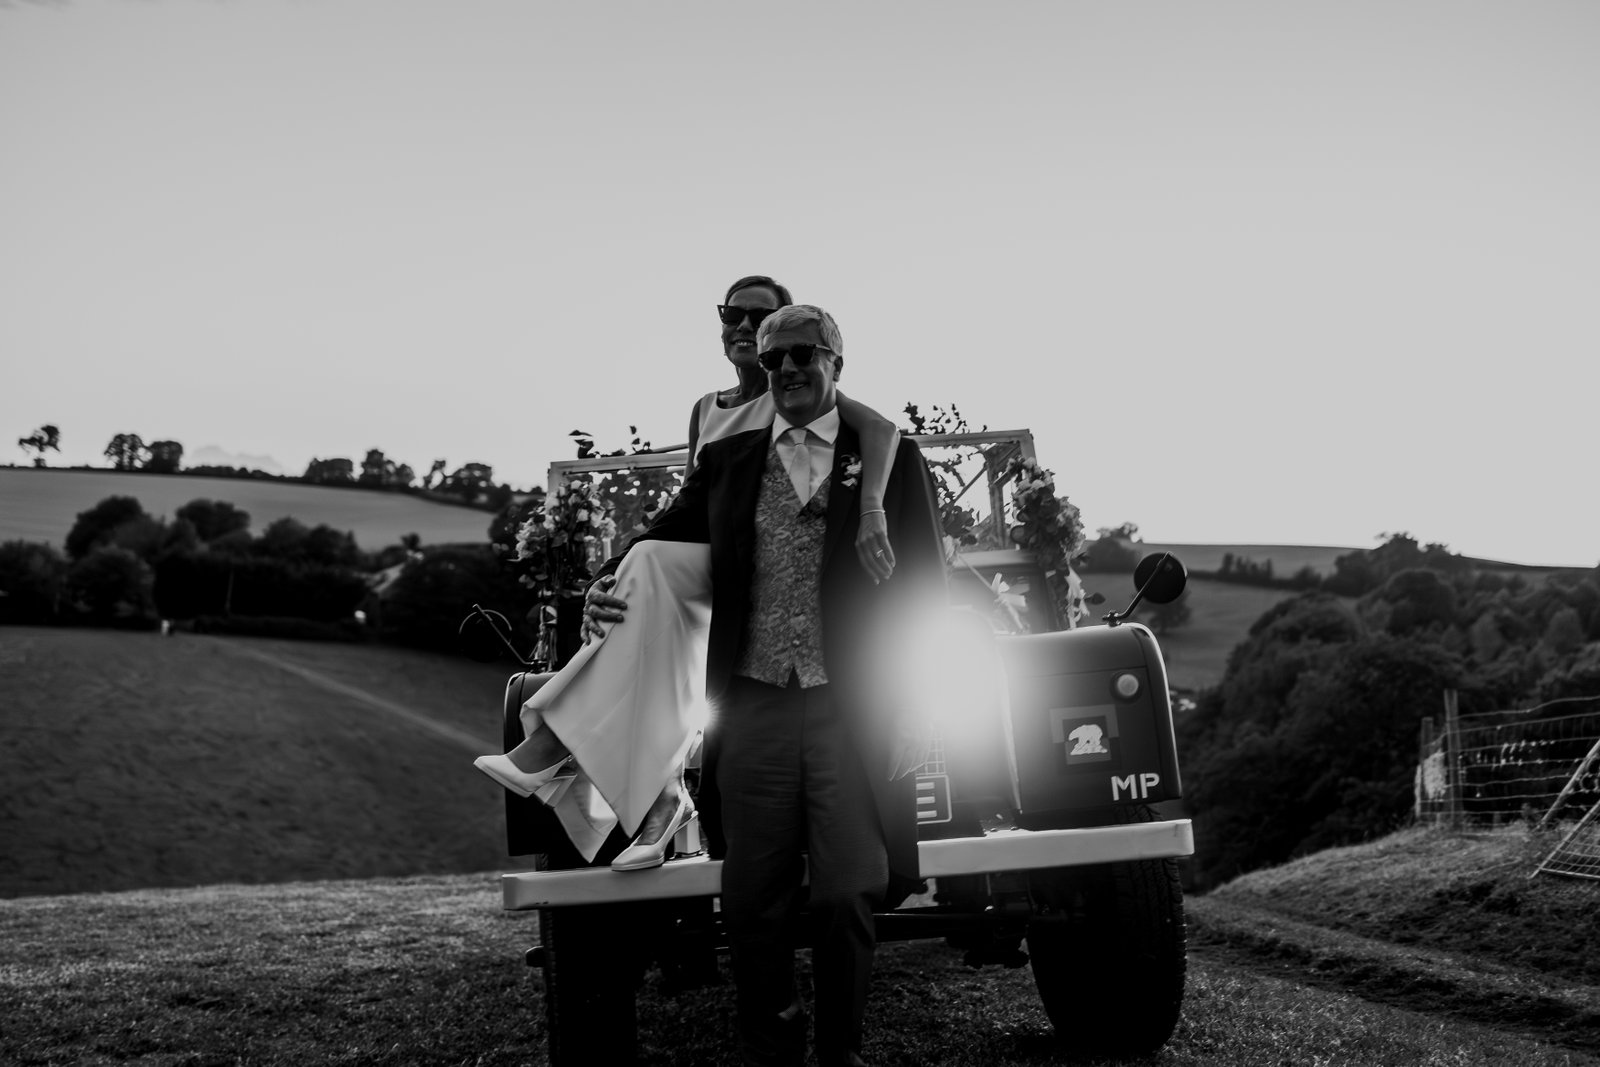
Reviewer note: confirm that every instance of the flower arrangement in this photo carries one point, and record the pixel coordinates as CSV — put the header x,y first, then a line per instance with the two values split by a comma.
x,y
653,506
556,540
1048,526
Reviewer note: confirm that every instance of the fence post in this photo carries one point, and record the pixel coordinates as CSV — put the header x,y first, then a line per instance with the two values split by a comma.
x,y
1425,804
1454,778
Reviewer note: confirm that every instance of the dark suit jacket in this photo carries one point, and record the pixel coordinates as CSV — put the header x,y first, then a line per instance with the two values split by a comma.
x,y
716,506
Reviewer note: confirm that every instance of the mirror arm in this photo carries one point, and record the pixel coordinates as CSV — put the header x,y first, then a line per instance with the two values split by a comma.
x,y
1113,618
477,609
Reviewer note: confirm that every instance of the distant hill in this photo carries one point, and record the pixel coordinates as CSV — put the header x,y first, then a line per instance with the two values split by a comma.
x,y
212,456
41,505
1285,559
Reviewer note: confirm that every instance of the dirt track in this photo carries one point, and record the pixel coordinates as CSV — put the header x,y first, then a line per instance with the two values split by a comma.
x,y
1420,980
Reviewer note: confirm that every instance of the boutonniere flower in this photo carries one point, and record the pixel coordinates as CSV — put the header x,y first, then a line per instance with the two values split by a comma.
x,y
850,468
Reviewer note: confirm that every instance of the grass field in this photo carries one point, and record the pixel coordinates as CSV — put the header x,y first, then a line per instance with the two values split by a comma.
x,y
314,860
41,505
428,971
1285,559
131,760
1462,893
136,761
1430,920
1220,614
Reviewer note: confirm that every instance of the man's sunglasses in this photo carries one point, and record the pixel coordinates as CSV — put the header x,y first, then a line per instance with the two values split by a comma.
x,y
802,355
733,316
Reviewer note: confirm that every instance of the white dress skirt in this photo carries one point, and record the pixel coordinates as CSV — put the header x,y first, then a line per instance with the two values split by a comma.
x,y
629,704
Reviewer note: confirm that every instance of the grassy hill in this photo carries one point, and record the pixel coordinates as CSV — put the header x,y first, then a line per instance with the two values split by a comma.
x,y
41,505
306,862
132,760
1285,559
1445,922
1465,892
1220,614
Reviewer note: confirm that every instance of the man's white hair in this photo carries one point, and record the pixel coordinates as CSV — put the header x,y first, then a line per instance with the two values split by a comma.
x,y
787,318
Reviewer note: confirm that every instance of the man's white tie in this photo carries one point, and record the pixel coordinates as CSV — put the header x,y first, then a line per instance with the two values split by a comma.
x,y
800,463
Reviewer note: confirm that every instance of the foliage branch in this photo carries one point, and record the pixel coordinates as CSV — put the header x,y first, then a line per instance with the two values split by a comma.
x,y
634,495
1050,528
45,437
957,522
1045,525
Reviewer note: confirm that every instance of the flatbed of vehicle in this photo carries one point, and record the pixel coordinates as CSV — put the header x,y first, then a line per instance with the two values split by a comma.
x,y
999,850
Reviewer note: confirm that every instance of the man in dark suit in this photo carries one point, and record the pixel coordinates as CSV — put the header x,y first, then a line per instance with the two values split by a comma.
x,y
808,751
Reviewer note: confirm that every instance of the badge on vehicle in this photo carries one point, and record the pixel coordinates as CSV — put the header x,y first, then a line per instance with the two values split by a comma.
x,y
933,798
1084,734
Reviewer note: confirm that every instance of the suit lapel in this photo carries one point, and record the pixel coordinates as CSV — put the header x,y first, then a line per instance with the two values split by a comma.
x,y
843,500
745,471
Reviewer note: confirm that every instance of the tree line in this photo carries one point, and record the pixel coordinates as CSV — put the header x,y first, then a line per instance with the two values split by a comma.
x,y
1309,741
468,483
207,570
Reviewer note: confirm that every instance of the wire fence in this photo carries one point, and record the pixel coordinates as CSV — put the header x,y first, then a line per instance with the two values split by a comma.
x,y
1577,854
1539,765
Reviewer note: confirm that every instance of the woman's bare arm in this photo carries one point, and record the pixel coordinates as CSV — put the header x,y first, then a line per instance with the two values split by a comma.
x,y
879,441
694,436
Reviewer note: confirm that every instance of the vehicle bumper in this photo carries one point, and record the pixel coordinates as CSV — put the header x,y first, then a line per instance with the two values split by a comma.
x,y
1003,850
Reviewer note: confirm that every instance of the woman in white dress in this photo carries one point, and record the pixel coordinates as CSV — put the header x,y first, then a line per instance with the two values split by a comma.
x,y
607,735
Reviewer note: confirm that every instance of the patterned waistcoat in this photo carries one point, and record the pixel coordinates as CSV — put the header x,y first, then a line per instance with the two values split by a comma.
x,y
784,629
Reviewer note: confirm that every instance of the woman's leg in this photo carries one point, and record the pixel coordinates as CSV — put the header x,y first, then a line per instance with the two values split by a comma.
x,y
662,810
539,750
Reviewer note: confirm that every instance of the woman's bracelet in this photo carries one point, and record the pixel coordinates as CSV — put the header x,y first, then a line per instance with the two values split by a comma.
x,y
873,511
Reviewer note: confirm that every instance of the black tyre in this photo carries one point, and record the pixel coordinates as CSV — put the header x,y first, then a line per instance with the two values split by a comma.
x,y
1109,954
591,973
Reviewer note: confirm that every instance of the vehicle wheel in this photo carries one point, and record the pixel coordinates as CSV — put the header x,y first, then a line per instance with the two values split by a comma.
x,y
1108,951
688,946
591,973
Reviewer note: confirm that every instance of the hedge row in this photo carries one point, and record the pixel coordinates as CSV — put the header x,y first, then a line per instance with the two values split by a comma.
x,y
188,585
220,592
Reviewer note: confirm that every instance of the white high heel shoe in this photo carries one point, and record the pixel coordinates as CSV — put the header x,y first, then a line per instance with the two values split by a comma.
x,y
637,857
521,782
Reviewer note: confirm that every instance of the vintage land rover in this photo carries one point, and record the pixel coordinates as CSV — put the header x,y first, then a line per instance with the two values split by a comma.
x,y
1049,819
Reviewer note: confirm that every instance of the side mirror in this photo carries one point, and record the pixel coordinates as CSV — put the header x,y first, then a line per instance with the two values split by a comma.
x,y
1159,578
485,635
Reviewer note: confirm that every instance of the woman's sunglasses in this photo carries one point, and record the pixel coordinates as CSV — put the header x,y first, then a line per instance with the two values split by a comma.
x,y
802,355
733,316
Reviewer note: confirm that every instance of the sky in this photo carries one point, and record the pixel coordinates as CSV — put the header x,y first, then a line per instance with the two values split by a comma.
x,y
1251,272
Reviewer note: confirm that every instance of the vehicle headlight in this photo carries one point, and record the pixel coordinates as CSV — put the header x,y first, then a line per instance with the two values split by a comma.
x,y
953,674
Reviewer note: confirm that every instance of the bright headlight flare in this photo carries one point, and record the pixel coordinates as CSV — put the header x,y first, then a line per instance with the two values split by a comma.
x,y
697,715
1126,686
952,673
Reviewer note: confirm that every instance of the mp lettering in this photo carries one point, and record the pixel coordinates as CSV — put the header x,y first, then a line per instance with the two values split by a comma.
x,y
1134,786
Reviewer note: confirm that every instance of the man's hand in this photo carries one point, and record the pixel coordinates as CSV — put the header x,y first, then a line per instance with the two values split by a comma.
x,y
913,744
600,606
872,545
